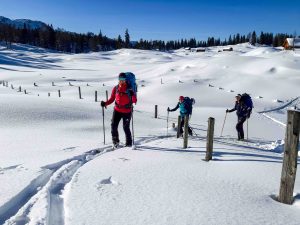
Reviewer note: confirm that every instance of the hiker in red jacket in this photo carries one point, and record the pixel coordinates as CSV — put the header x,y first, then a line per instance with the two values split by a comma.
x,y
123,97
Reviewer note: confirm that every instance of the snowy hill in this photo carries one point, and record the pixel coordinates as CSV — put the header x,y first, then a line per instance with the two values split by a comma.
x,y
55,168
19,23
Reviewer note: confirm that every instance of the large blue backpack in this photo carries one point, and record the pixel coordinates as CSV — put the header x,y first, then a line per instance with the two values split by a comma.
x,y
130,79
188,104
246,99
131,86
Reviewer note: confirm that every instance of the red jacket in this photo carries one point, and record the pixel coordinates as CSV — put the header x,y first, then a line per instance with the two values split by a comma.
x,y
121,98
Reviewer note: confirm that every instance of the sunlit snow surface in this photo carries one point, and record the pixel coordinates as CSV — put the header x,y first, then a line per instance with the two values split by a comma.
x,y
55,168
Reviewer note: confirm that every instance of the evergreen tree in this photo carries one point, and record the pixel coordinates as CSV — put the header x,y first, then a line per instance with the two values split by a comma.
x,y
230,42
253,38
127,39
119,42
262,38
24,35
52,38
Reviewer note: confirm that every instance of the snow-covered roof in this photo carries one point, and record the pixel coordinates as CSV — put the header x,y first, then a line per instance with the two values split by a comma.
x,y
292,40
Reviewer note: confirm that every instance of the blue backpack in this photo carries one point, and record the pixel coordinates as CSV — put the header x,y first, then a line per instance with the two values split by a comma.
x,y
188,104
130,79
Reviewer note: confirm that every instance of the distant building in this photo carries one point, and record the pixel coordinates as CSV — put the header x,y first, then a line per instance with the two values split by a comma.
x,y
291,43
228,49
197,49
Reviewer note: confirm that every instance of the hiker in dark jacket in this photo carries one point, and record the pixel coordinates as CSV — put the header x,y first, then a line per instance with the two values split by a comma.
x,y
183,112
242,113
123,98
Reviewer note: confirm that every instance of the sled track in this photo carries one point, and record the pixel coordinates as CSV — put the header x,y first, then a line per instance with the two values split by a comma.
x,y
41,202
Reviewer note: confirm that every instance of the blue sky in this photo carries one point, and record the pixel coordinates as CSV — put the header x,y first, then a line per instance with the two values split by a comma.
x,y
161,19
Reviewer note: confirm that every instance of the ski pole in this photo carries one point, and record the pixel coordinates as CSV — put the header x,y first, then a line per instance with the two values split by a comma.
x,y
223,124
168,123
132,125
103,124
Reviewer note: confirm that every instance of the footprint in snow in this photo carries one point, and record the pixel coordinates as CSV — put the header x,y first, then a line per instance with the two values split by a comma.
x,y
124,159
69,148
108,181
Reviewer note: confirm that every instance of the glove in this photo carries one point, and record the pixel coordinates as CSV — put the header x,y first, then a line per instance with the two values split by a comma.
x,y
227,110
102,103
168,109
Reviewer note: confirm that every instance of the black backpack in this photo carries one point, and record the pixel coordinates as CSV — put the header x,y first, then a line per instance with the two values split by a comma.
x,y
188,104
246,99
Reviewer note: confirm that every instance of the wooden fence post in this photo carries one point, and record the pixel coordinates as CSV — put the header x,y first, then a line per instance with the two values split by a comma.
x,y
59,94
210,139
289,166
48,94
106,95
20,89
12,87
96,96
186,131
53,83
173,125
25,92
79,92
155,112
178,126
6,84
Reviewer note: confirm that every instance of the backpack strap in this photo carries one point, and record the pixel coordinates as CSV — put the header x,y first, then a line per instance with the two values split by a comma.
x,y
127,106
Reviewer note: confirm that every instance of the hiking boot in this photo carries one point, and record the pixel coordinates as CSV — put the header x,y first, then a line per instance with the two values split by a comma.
x,y
116,145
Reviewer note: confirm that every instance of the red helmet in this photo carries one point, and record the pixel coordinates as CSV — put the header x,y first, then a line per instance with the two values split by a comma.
x,y
181,98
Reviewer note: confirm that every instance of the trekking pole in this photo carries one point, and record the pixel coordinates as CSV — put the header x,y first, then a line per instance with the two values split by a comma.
x,y
132,126
103,124
194,131
223,124
247,128
168,123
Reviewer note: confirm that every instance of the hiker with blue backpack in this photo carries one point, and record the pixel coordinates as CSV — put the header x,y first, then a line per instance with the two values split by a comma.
x,y
243,107
185,106
124,95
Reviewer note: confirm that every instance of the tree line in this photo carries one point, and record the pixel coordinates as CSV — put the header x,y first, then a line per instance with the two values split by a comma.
x,y
65,41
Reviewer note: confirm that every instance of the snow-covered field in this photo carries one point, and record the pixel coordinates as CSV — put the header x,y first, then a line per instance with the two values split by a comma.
x,y
55,168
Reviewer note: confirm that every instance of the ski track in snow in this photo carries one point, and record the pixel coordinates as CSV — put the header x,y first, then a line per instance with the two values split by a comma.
x,y
280,107
42,201
274,120
264,113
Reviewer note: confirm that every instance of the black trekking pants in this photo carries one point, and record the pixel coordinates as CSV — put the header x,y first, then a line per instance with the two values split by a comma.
x,y
239,127
182,125
117,116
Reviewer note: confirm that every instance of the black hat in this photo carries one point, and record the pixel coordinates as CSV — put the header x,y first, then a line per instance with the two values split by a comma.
x,y
122,76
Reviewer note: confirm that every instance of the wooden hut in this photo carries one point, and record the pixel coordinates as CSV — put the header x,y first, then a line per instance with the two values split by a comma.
x,y
291,43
